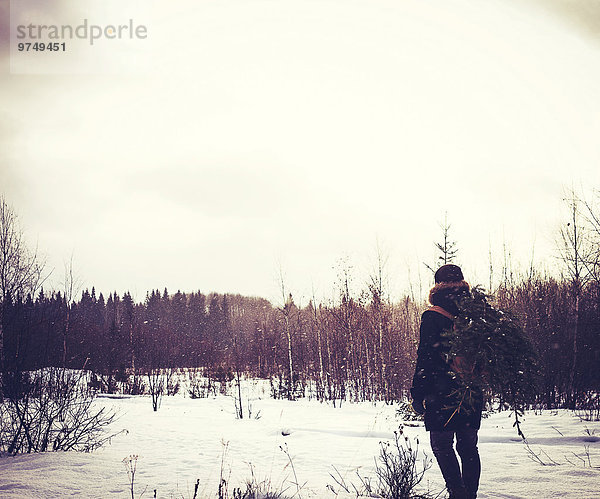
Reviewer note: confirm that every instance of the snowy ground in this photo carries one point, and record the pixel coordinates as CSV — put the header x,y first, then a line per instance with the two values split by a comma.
x,y
201,439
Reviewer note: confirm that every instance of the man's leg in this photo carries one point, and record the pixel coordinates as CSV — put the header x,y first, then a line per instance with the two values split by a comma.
x,y
466,445
443,450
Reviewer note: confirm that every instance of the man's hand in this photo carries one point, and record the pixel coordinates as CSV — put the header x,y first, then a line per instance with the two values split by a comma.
x,y
418,406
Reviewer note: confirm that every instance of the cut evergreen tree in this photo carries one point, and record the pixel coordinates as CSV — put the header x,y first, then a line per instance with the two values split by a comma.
x,y
490,351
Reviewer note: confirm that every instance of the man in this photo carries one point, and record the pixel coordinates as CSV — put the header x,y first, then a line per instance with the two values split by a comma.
x,y
437,393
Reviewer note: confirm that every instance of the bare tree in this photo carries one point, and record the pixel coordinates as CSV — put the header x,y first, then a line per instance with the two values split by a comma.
x,y
52,410
574,252
491,267
508,277
288,304
20,268
345,314
592,260
379,312
317,326
71,285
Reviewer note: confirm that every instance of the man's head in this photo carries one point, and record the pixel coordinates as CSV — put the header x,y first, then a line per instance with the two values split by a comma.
x,y
448,273
449,280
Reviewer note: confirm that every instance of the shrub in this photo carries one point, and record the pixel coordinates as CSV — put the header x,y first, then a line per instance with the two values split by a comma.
x,y
51,410
134,385
397,473
156,386
397,470
200,386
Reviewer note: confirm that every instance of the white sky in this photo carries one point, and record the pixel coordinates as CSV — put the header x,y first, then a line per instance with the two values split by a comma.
x,y
295,133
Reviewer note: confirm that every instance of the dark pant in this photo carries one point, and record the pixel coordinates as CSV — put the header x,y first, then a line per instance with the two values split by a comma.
x,y
460,485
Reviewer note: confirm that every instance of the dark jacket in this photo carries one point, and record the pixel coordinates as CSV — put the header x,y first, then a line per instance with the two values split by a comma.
x,y
434,381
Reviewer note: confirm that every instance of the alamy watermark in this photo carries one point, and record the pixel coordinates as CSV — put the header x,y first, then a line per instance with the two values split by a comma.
x,y
84,31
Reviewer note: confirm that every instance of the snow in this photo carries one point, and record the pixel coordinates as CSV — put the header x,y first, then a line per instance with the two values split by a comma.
x,y
201,439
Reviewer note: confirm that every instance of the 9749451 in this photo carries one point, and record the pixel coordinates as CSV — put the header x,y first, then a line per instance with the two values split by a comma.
x,y
42,47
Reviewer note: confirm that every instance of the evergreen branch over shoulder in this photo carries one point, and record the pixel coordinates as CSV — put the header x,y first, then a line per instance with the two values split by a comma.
x,y
489,350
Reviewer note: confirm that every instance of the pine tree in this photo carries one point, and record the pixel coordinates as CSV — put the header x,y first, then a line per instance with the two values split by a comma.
x,y
447,247
490,351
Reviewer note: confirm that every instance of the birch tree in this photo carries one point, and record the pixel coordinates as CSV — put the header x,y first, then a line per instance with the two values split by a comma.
x,y
288,304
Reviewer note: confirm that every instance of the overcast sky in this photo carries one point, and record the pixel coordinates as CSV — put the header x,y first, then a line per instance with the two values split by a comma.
x,y
246,136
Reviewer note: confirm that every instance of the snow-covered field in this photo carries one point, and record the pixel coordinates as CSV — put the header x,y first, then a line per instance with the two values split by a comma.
x,y
201,439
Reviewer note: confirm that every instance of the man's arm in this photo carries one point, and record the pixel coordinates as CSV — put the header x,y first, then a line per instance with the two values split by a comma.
x,y
430,361
421,383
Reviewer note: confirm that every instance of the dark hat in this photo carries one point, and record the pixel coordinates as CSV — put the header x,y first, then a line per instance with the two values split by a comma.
x,y
448,273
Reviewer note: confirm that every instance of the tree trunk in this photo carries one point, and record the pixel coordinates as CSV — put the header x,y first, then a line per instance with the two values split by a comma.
x,y
1,343
320,352
132,351
572,374
65,334
290,361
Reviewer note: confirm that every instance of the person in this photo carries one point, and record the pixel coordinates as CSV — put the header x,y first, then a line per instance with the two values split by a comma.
x,y
436,389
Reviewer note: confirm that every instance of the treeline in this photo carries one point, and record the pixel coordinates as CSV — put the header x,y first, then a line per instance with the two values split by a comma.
x,y
562,318
360,348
